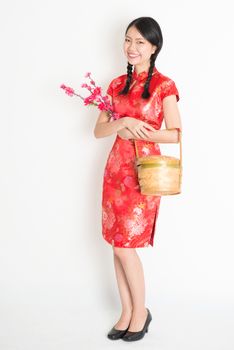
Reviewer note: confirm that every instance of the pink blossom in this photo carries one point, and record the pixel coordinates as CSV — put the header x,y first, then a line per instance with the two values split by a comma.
x,y
95,98
106,99
102,106
97,91
88,100
68,90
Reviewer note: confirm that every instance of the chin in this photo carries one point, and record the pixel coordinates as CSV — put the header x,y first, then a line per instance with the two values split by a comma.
x,y
133,62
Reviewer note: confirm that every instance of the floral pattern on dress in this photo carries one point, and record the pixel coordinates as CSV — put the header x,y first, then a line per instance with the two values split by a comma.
x,y
129,217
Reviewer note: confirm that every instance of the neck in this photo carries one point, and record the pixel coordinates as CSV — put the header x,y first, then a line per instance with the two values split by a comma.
x,y
139,69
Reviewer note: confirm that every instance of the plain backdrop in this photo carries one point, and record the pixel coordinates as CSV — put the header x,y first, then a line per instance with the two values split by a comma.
x,y
57,280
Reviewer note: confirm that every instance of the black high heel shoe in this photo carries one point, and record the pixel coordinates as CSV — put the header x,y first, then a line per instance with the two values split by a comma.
x,y
116,333
131,336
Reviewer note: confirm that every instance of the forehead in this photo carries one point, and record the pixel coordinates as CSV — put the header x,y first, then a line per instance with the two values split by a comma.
x,y
133,33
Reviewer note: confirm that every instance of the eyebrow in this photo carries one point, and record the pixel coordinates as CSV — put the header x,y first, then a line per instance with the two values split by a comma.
x,y
127,36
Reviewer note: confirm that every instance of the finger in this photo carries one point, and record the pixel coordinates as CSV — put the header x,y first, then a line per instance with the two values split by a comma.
x,y
148,126
133,131
141,134
144,130
136,135
151,128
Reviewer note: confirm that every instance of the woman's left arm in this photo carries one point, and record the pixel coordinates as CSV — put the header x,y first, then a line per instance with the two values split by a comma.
x,y
172,120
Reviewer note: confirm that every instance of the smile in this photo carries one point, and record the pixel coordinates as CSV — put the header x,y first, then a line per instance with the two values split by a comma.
x,y
132,56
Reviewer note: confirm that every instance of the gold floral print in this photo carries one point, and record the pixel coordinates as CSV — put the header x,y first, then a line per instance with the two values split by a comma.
x,y
128,217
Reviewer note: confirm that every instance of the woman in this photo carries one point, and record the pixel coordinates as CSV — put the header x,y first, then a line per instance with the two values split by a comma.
x,y
143,97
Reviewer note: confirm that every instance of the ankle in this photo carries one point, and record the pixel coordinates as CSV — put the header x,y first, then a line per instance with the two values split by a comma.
x,y
139,311
127,311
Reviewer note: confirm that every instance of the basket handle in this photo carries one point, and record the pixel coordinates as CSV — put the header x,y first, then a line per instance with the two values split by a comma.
x,y
180,142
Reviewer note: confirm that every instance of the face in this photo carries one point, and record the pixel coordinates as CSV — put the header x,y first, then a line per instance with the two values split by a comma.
x,y
137,49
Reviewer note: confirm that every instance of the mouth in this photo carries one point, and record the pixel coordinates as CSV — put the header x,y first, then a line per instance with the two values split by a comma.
x,y
132,56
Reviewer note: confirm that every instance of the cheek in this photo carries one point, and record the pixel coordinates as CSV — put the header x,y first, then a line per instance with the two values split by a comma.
x,y
145,51
125,46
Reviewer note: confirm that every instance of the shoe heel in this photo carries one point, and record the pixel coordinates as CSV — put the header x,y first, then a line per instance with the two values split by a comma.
x,y
146,330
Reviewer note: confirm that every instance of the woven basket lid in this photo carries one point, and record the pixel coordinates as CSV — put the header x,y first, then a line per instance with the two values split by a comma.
x,y
158,159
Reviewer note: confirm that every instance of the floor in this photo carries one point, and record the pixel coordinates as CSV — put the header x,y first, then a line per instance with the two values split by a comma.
x,y
176,324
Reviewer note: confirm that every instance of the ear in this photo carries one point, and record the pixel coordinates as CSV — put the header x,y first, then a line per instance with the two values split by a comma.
x,y
154,49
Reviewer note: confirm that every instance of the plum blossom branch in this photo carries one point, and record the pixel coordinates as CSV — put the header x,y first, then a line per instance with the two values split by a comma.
x,y
95,98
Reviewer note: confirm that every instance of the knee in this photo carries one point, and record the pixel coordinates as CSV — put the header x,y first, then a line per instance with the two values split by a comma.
x,y
117,251
121,253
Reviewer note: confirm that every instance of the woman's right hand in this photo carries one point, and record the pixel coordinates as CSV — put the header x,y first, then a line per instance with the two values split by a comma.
x,y
137,127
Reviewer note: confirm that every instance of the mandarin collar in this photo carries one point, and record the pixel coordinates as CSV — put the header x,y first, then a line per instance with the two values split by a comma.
x,y
143,75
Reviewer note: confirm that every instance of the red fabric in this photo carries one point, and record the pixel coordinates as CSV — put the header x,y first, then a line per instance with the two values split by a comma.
x,y
128,217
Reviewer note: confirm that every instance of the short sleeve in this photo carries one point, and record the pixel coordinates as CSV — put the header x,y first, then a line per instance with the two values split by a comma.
x,y
169,88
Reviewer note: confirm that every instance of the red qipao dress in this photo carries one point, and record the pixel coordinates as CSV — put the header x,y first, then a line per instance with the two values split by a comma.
x,y
129,217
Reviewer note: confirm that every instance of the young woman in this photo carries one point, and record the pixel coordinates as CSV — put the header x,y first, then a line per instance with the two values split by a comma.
x,y
143,97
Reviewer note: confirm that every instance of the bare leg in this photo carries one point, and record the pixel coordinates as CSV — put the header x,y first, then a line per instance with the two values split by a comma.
x,y
133,269
125,295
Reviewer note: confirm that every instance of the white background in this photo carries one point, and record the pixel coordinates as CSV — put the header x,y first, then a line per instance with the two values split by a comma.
x,y
58,288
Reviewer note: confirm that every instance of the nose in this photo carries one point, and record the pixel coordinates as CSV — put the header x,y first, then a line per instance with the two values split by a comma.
x,y
131,47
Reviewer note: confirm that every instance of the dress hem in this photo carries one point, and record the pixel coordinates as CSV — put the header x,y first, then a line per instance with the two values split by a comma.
x,y
137,246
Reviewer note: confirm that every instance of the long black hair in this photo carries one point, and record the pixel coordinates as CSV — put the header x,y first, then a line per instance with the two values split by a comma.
x,y
151,31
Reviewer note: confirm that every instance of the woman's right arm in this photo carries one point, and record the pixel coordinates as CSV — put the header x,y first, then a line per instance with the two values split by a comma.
x,y
105,128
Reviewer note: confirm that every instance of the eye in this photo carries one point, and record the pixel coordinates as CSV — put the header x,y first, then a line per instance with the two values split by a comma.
x,y
139,42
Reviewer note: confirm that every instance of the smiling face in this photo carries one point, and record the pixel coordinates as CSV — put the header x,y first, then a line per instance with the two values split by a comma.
x,y
138,50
